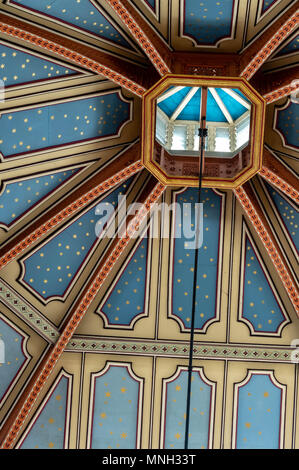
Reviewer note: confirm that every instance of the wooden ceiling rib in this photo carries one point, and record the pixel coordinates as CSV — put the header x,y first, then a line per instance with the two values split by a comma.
x,y
257,218
112,175
279,175
130,76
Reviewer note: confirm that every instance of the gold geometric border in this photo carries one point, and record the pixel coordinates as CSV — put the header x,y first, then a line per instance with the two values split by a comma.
x,y
148,131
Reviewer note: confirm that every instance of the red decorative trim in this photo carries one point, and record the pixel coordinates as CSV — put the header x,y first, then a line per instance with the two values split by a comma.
x,y
281,92
74,56
140,37
283,32
270,246
70,210
280,183
78,314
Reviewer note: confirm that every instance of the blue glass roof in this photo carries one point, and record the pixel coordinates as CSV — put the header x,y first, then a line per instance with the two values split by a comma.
x,y
191,111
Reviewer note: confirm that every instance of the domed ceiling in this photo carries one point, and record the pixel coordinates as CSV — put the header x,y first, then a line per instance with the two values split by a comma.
x,y
95,313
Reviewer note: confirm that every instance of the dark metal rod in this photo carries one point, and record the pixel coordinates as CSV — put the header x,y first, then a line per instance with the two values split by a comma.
x,y
202,135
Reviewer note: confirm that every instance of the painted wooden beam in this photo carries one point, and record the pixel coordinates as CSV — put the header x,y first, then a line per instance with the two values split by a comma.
x,y
279,176
111,175
258,52
183,103
130,76
221,105
237,97
248,201
151,44
14,425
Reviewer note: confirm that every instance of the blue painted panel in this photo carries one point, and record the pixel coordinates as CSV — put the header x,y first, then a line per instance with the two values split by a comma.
x,y
20,196
151,3
170,104
14,356
18,67
61,124
176,412
267,4
183,265
236,90
258,420
288,214
260,306
287,124
48,431
291,47
214,113
79,13
192,110
128,296
233,106
208,21
115,413
51,269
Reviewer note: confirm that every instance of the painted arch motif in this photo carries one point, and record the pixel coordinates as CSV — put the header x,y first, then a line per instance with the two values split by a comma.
x,y
86,15
15,355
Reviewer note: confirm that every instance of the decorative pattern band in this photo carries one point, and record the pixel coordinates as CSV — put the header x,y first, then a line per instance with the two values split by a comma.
x,y
140,37
75,57
70,210
269,245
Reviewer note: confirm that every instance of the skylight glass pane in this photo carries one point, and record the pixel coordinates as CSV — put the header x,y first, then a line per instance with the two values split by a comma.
x,y
222,139
179,138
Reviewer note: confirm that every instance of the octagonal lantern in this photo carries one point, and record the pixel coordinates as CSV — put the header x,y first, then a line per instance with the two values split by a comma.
x,y
234,116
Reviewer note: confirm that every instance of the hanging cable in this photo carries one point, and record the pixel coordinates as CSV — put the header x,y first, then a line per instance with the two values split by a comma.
x,y
202,132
